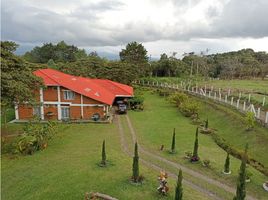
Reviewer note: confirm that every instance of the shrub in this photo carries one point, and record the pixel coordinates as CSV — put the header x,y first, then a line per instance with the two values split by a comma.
x,y
250,120
136,103
178,98
190,108
35,137
206,163
188,154
227,164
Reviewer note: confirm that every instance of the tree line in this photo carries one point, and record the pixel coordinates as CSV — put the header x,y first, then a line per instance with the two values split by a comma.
x,y
18,81
241,64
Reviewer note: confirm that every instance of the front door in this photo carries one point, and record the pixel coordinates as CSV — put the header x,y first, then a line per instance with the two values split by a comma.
x,y
65,112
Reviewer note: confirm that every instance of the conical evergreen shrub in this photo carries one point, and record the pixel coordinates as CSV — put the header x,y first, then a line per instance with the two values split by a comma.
x,y
241,182
173,142
178,189
135,165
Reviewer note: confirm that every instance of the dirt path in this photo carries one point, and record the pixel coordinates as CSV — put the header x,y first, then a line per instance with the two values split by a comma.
x,y
183,168
125,148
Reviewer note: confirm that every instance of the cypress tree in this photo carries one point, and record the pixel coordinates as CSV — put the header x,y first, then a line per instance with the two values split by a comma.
x,y
135,165
103,154
241,182
178,189
227,164
206,124
173,142
195,153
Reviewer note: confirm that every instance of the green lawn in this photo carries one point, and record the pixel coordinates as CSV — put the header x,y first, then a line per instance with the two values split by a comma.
x,y
250,85
68,168
246,87
155,124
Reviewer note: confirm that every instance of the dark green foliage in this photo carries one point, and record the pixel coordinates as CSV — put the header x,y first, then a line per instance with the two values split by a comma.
x,y
17,80
103,154
135,165
179,189
60,52
96,67
206,124
173,142
35,137
168,66
136,54
227,164
195,152
241,182
136,103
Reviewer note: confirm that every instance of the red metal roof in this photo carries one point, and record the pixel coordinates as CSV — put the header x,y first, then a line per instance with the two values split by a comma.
x,y
101,90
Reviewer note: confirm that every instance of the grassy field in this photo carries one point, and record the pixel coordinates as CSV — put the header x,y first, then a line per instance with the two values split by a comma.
x,y
68,168
155,124
256,87
251,85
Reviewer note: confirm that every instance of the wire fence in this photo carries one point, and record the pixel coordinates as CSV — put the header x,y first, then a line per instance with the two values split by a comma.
x,y
218,95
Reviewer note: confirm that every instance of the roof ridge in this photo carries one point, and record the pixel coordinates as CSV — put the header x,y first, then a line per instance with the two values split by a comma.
x,y
42,71
112,82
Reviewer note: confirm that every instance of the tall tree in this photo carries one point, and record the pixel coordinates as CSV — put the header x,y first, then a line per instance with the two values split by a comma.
x,y
18,83
135,53
135,165
241,182
61,52
173,142
178,189
195,152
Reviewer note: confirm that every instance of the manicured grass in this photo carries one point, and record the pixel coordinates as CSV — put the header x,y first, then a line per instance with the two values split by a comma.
x,y
68,168
250,85
155,124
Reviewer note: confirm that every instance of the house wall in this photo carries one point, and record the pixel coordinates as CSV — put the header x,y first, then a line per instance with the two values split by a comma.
x,y
75,112
89,111
50,93
25,111
52,105
50,112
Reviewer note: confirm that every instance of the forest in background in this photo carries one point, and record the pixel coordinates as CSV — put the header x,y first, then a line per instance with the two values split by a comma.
x,y
240,64
18,81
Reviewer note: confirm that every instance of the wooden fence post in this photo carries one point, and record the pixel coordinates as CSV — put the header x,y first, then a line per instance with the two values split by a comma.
x,y
266,118
244,106
232,100
237,103
263,101
258,112
225,99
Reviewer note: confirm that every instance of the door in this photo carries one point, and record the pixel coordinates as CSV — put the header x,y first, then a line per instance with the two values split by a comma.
x,y
65,112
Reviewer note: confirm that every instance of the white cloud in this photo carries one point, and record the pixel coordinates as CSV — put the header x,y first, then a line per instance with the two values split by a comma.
x,y
185,25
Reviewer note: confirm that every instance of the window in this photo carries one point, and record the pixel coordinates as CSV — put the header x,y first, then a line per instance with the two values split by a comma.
x,y
65,112
68,95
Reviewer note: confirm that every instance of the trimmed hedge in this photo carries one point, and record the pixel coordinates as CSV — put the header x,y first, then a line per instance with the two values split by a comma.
x,y
221,142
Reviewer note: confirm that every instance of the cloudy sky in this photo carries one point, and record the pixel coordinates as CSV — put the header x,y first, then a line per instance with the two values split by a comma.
x,y
106,26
